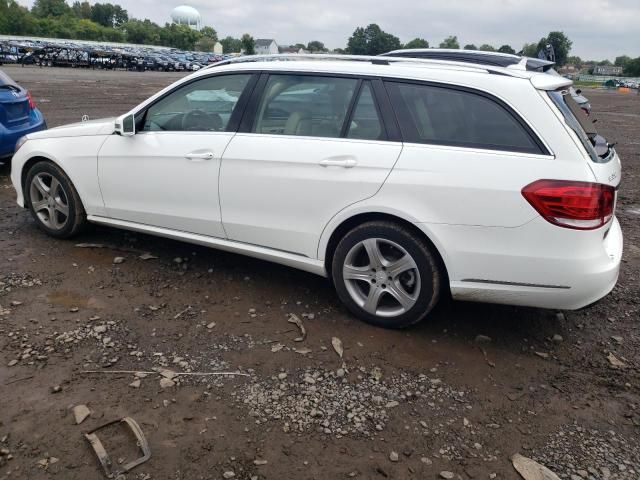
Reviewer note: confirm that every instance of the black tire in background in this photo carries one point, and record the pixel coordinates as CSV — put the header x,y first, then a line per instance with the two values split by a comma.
x,y
426,269
76,217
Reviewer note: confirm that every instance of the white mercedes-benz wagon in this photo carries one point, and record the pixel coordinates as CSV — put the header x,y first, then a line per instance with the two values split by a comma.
x,y
401,180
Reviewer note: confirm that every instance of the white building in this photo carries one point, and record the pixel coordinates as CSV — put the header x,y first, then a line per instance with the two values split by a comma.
x,y
266,46
186,15
217,48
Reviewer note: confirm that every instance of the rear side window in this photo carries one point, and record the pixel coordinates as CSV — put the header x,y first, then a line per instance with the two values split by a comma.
x,y
448,116
304,105
595,145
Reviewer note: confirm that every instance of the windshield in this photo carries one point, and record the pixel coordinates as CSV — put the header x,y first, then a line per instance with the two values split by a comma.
x,y
595,145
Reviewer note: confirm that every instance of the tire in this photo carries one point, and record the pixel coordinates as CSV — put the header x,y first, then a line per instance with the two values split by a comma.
x,y
395,290
59,213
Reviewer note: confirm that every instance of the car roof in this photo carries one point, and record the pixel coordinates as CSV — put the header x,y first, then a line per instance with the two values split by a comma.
x,y
387,66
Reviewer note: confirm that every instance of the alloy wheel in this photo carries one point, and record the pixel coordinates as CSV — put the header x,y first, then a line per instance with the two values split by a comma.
x,y
49,201
381,277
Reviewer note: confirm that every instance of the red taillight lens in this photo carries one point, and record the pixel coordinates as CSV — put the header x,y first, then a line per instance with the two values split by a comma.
x,y
32,104
579,205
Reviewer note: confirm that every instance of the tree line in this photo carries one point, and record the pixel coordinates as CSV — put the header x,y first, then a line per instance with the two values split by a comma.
x,y
110,22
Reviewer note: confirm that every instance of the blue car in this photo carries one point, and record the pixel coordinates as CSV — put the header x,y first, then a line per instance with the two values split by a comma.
x,y
18,115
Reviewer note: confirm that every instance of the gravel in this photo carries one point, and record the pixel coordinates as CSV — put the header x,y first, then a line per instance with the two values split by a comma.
x,y
574,451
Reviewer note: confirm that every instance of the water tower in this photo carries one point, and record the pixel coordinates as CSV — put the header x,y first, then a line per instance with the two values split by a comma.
x,y
186,15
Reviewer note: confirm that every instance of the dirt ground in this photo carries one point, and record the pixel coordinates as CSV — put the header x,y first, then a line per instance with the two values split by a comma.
x,y
559,387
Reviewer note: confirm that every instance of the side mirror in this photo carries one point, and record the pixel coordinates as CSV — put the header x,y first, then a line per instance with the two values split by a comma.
x,y
126,125
578,91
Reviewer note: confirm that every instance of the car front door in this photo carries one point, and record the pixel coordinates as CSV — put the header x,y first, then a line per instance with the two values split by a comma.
x,y
166,175
310,146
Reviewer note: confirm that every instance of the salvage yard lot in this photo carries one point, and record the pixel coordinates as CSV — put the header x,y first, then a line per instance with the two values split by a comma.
x,y
461,392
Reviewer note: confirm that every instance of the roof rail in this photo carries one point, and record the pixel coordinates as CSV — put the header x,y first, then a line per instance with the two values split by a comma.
x,y
376,60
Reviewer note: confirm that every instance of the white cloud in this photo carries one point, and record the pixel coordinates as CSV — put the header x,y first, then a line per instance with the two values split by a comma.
x,y
598,28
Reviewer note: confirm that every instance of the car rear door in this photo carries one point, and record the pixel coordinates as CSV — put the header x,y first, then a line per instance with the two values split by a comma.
x,y
309,145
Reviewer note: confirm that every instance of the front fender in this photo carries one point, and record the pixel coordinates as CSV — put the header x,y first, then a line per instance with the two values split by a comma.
x,y
76,156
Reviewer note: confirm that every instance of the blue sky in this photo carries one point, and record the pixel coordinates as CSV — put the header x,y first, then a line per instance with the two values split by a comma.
x,y
599,28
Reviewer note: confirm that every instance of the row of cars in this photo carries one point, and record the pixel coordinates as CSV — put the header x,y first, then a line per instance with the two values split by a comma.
x,y
61,53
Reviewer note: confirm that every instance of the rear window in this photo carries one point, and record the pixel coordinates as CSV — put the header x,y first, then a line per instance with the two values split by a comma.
x,y
595,145
449,116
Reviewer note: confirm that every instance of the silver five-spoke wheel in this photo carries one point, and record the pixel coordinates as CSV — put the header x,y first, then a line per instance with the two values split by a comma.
x,y
381,277
49,200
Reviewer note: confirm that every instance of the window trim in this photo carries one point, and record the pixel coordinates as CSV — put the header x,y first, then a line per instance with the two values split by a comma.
x,y
383,105
399,103
234,121
352,110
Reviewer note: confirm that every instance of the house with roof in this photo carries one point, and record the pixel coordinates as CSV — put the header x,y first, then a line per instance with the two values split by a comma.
x,y
266,46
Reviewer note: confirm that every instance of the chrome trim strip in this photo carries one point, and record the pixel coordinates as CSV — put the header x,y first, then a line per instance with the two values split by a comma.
x,y
516,284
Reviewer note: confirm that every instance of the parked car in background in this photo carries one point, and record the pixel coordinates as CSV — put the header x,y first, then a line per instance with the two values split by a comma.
x,y
18,115
402,182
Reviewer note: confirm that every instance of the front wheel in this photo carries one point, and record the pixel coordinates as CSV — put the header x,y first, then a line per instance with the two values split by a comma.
x,y
386,275
53,201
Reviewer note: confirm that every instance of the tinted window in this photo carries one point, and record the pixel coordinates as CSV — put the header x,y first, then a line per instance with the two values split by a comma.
x,y
202,106
365,122
304,105
446,116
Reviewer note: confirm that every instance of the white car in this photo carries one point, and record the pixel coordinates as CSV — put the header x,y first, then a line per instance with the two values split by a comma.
x,y
401,180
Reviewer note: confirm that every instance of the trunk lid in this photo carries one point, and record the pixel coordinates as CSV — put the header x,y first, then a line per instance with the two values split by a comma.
x,y
14,104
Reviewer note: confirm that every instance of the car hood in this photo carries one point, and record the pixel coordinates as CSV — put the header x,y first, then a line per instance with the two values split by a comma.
x,y
103,126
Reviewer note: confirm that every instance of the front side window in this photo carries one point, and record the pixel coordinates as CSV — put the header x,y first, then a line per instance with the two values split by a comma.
x,y
205,105
448,116
304,105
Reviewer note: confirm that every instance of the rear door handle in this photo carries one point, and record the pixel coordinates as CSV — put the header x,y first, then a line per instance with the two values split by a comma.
x,y
199,156
345,162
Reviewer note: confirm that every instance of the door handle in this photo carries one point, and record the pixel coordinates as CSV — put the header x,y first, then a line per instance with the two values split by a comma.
x,y
345,162
199,156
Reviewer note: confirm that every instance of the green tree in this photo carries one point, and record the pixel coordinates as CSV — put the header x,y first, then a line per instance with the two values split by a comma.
x,y
315,46
450,42
632,68
622,61
372,40
138,31
561,46
81,9
50,8
16,19
485,47
109,15
506,49
417,43
207,41
231,45
577,61
179,36
470,46
530,50
248,44
209,32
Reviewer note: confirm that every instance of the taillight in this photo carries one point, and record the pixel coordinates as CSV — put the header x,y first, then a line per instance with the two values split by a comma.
x,y
578,205
32,104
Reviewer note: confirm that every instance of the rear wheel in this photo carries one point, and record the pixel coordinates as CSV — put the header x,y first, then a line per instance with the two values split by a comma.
x,y
386,275
53,201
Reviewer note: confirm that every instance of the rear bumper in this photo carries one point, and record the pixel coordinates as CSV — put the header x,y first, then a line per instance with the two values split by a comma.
x,y
535,265
9,136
